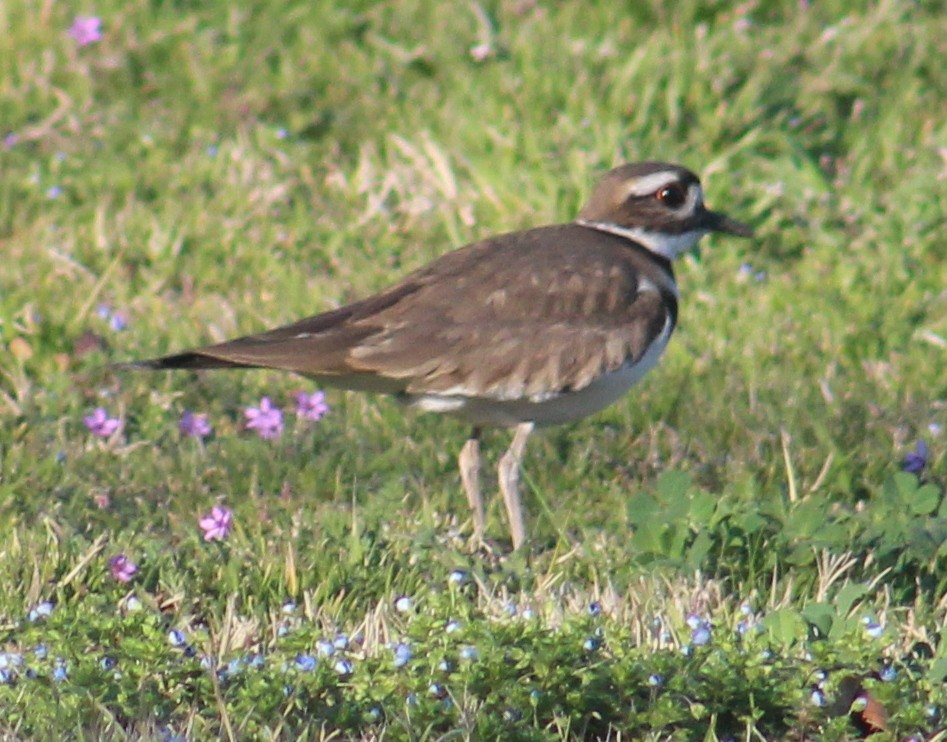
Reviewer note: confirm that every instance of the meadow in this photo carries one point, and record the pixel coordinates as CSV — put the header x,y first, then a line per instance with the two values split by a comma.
x,y
750,545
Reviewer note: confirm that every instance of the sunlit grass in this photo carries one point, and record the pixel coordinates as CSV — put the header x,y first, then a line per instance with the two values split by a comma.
x,y
199,172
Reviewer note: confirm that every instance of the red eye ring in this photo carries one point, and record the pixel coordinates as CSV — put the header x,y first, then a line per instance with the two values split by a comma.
x,y
672,195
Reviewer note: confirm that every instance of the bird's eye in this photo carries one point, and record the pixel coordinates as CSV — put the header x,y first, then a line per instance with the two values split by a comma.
x,y
672,195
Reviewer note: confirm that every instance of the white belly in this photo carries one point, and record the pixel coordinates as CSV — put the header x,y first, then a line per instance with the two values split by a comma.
x,y
553,410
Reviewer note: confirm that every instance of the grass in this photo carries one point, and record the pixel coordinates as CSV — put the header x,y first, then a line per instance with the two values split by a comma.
x,y
732,551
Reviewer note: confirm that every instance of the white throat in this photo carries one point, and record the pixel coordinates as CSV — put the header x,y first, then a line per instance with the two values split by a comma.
x,y
668,246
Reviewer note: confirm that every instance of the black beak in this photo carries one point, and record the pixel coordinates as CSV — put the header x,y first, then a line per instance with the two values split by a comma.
x,y
716,222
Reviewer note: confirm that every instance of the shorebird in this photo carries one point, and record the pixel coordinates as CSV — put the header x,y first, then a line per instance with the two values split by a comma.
x,y
531,328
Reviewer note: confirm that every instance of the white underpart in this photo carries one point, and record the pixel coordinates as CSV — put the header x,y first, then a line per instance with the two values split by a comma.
x,y
666,245
551,409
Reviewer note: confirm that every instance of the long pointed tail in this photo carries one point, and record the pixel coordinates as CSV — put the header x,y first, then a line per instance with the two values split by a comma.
x,y
188,360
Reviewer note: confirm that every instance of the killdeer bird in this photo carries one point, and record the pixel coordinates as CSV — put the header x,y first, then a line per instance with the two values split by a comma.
x,y
526,329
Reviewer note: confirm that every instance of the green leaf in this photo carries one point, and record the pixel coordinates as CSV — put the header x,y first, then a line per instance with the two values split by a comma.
x,y
926,500
846,596
673,485
938,670
821,617
785,626
703,507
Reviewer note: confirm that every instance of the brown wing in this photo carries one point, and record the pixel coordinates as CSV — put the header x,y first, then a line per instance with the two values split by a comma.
x,y
549,308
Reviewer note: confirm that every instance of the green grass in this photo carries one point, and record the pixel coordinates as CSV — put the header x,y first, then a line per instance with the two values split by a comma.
x,y
206,170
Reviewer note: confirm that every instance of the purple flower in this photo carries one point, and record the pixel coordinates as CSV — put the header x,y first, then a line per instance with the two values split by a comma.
x,y
10,140
311,406
122,568
915,461
266,419
86,29
217,523
194,425
99,422
118,321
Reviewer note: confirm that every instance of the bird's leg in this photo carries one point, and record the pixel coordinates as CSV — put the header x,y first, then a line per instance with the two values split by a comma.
x,y
469,462
509,476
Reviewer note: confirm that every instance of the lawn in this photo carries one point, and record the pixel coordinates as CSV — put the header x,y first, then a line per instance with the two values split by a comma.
x,y
750,545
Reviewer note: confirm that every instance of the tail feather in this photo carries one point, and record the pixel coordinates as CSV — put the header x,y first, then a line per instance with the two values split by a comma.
x,y
188,360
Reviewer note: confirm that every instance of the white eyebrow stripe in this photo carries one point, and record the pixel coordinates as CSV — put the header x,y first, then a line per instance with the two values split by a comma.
x,y
649,184
695,198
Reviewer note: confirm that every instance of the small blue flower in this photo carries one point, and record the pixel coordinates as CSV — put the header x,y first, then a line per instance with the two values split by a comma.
x,y
344,667
256,662
40,651
53,192
404,604
872,627
305,662
60,671
889,674
528,614
700,636
403,655
874,630
41,611
445,666
595,609
510,609
469,653
437,690
457,577
107,663
176,638
325,648
817,697
7,676
341,642
289,608
916,461
592,644
654,680
452,626
11,660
